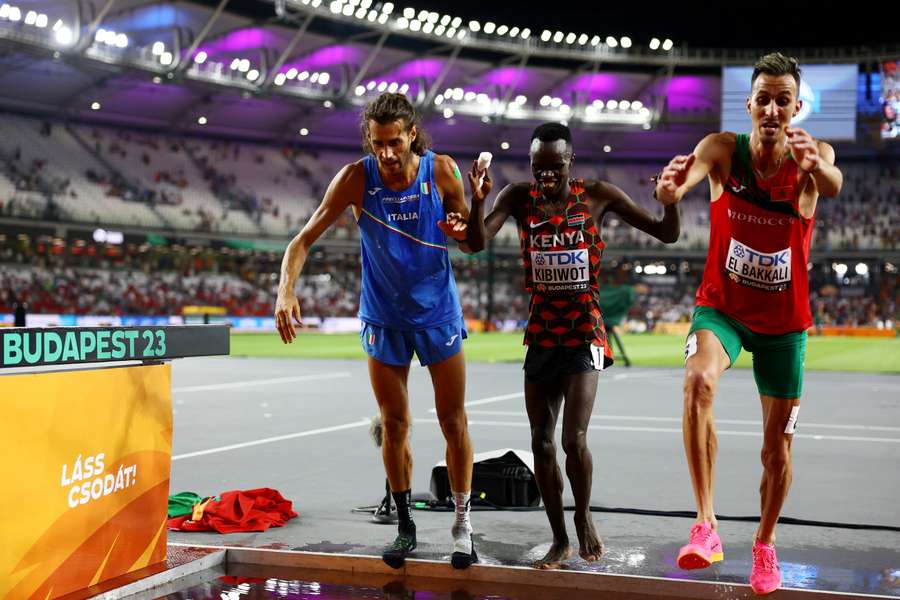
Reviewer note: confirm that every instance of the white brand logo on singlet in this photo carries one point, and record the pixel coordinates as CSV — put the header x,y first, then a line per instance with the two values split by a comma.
x,y
374,191
762,270
561,270
400,199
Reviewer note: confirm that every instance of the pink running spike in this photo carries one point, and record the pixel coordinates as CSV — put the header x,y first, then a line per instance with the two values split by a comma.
x,y
703,549
765,576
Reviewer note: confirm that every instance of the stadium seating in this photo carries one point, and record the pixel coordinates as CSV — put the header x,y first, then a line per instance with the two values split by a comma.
x,y
160,164
867,213
281,199
143,282
110,176
63,165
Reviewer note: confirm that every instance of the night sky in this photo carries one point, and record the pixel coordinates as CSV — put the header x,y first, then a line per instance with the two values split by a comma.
x,y
722,24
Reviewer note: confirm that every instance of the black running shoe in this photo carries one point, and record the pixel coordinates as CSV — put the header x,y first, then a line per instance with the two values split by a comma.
x,y
403,545
460,559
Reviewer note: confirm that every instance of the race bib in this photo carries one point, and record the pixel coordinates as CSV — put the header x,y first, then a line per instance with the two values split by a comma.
x,y
761,270
690,347
565,271
597,358
792,420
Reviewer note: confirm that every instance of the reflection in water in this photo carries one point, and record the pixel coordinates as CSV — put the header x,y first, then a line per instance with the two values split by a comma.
x,y
253,588
798,575
245,583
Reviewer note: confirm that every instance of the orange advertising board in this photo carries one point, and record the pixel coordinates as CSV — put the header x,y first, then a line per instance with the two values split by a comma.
x,y
89,452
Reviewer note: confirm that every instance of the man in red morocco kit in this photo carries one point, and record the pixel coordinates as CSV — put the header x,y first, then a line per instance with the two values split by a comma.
x,y
755,293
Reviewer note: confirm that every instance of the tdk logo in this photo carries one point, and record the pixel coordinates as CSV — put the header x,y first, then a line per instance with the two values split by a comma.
x,y
561,259
763,260
770,271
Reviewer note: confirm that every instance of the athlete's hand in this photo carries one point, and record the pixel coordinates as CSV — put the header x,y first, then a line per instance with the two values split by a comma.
x,y
287,307
804,149
479,192
455,226
672,178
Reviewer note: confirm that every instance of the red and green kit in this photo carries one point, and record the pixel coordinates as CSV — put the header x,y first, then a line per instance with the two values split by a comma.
x,y
758,249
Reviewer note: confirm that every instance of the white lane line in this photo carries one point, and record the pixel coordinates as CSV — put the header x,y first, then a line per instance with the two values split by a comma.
x,y
726,432
490,400
278,438
521,413
256,382
496,399
634,376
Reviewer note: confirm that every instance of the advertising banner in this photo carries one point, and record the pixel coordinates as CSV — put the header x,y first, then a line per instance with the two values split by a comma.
x,y
89,453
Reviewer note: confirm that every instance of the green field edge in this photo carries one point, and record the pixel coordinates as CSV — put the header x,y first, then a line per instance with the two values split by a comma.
x,y
824,354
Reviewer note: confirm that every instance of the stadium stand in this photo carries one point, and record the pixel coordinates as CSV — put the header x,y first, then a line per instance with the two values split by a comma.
x,y
260,180
54,276
49,160
167,179
104,175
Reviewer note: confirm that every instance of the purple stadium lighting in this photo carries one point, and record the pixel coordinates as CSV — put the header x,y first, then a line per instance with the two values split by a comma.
x,y
144,97
687,84
594,85
691,92
427,68
506,76
323,58
252,39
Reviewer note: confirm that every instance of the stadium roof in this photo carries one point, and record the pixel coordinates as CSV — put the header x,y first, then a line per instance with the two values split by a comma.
x,y
272,68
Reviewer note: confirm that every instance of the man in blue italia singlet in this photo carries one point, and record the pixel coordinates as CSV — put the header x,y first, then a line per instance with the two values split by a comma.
x,y
407,202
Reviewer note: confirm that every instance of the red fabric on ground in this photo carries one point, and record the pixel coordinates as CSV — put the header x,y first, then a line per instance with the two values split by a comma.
x,y
240,510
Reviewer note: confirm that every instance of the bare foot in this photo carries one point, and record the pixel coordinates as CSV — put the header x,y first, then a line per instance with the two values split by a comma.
x,y
590,546
558,552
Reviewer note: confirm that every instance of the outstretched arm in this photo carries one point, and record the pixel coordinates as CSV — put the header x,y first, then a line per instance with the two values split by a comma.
x,y
504,206
490,225
665,229
480,184
463,224
685,171
346,185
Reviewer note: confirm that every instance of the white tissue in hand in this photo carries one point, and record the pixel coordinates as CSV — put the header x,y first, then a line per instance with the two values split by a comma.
x,y
484,161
